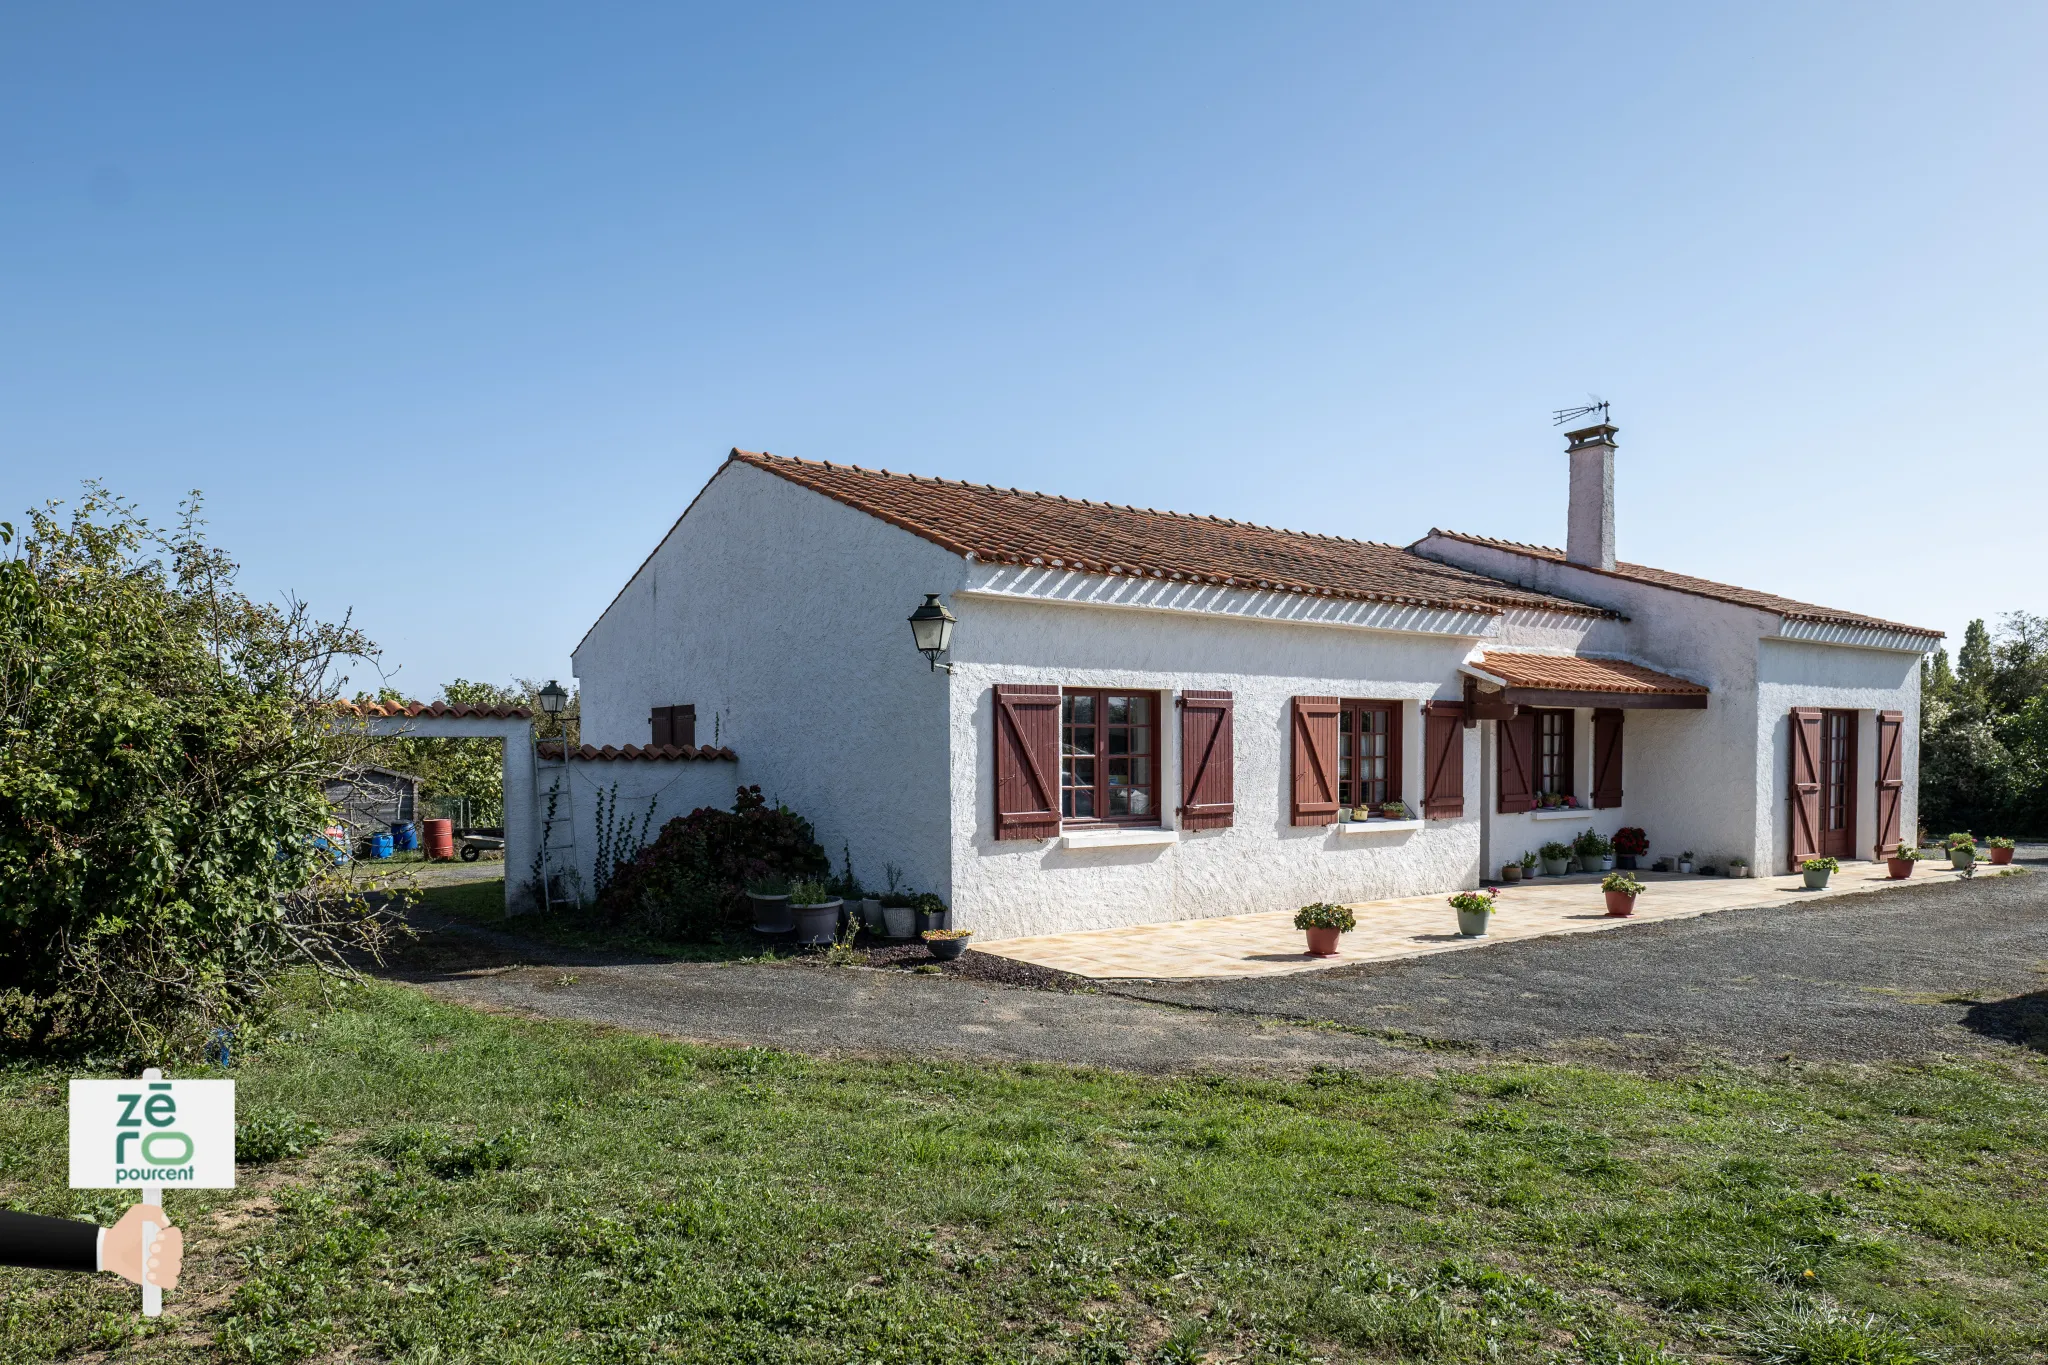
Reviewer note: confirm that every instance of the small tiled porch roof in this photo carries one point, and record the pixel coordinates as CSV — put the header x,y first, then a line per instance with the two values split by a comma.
x,y
1703,587
378,710
1577,680
1015,526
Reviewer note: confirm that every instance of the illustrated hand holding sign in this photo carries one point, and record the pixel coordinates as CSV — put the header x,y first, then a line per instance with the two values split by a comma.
x,y
150,1135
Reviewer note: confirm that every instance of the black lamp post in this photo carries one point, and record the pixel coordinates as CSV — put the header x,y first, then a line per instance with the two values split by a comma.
x,y
931,625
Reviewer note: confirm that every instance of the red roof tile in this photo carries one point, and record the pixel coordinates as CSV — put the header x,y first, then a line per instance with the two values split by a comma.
x,y
458,710
1576,673
1702,587
1012,526
647,753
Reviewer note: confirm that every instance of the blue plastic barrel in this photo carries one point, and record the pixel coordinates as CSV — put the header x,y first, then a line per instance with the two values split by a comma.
x,y
380,846
404,837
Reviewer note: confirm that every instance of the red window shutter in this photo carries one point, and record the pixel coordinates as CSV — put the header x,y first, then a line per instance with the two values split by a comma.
x,y
1314,726
1805,784
1891,778
1027,735
1607,758
1517,763
1207,782
1443,760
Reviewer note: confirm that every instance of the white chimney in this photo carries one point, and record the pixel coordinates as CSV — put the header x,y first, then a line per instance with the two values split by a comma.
x,y
1589,539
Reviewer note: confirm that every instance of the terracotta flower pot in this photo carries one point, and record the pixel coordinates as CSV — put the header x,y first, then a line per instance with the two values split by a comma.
x,y
1619,903
2000,857
1511,872
1900,868
1322,942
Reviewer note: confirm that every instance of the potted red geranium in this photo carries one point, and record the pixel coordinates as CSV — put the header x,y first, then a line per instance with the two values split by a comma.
x,y
1630,844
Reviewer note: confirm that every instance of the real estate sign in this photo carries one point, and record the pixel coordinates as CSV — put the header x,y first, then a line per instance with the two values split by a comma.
x,y
173,1135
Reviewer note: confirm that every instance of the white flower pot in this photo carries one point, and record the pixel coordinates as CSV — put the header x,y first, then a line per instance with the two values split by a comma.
x,y
1607,864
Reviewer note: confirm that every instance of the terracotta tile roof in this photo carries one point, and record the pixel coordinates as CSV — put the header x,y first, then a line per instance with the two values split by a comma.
x,y
460,711
1576,673
642,753
1703,587
1012,526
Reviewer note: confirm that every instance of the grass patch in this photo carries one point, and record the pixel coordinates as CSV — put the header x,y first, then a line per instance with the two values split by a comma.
x,y
451,1186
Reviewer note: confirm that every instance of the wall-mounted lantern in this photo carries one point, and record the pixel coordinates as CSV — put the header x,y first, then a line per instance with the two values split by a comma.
x,y
553,698
931,625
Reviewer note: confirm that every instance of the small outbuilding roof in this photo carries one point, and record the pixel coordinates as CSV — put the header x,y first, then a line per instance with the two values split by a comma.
x,y
1014,526
1702,587
640,753
415,709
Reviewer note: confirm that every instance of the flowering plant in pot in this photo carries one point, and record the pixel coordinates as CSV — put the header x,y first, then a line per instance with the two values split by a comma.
x,y
1324,922
1899,862
2001,851
1630,843
1621,891
946,944
1817,871
770,899
815,911
1473,907
1962,849
1556,858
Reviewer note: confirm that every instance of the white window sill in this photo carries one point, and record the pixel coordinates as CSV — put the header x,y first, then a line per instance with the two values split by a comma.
x,y
1376,826
1581,814
1119,838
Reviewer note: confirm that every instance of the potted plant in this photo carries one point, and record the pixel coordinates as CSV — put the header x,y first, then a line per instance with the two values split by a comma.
x,y
1528,867
1685,861
1473,907
815,911
1621,891
1594,852
946,944
930,912
1899,862
1630,843
898,919
1817,871
1511,872
770,897
2001,851
1962,850
1556,858
1394,810
1738,867
1324,922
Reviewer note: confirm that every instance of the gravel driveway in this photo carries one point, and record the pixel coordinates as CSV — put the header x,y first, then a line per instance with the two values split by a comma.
x,y
1920,970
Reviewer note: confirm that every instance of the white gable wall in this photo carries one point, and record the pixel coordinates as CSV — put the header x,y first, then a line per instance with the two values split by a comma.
x,y
780,614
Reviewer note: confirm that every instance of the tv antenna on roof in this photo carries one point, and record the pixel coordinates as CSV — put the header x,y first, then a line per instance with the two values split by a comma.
x,y
1562,415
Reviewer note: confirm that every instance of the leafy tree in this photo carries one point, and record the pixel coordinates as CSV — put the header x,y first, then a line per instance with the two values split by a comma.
x,y
473,769
166,743
1984,730
1976,662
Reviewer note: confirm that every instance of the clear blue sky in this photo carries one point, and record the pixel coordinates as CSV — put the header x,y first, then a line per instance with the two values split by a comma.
x,y
450,309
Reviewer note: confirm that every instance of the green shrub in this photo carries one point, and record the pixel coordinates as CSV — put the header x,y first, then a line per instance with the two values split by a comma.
x,y
809,891
1555,852
168,741
1820,865
689,882
1323,915
1476,901
1621,882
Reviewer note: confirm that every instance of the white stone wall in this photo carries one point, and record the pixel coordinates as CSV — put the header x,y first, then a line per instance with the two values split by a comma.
x,y
1866,681
630,788
780,614
1262,862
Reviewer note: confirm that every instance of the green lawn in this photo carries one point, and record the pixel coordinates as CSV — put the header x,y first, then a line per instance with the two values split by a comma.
x,y
477,1188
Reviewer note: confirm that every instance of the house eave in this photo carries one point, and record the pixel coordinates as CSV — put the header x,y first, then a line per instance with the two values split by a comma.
x,y
1846,636
1117,592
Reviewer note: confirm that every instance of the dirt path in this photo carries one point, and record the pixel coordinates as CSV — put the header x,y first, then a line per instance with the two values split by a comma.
x,y
1958,969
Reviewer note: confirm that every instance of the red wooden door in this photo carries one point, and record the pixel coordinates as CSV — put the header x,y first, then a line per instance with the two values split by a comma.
x,y
1838,784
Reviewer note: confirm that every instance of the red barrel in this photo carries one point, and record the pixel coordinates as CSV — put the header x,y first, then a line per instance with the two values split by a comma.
x,y
440,839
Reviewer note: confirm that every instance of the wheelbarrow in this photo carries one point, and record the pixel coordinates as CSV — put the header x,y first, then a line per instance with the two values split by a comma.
x,y
475,843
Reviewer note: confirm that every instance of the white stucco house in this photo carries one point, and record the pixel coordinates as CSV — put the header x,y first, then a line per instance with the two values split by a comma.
x,y
1153,716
